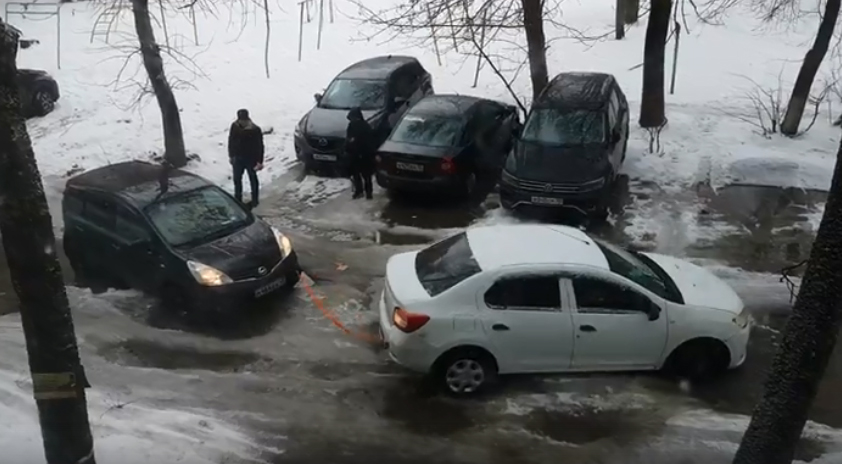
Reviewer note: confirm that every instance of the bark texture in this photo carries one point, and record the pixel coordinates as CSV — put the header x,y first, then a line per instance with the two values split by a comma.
x,y
652,113
174,151
619,19
809,68
631,11
27,235
806,347
536,44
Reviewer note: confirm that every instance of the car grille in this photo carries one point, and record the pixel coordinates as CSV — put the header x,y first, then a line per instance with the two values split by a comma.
x,y
326,144
251,270
553,187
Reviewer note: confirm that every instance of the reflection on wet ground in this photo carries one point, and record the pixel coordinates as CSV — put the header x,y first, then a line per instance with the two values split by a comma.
x,y
145,353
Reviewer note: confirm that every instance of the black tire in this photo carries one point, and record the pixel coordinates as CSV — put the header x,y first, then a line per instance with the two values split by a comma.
x,y
465,371
43,102
698,360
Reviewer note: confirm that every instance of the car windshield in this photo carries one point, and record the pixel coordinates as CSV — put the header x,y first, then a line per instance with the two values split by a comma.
x,y
433,131
444,264
194,215
344,94
621,262
557,127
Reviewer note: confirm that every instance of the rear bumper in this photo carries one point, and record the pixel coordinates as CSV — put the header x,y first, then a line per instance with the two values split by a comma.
x,y
310,156
584,202
408,350
449,184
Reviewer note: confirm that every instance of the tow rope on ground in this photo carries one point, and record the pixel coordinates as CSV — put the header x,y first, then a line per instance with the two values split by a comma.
x,y
318,302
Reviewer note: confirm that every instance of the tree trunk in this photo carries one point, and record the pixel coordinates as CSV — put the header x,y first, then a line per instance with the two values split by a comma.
x,y
809,68
631,11
806,347
174,152
533,23
619,20
27,235
652,112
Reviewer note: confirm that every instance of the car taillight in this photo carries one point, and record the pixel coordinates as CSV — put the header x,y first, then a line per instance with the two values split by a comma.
x,y
409,322
447,166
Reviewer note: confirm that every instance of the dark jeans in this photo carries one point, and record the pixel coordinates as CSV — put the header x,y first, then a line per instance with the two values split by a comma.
x,y
239,168
361,179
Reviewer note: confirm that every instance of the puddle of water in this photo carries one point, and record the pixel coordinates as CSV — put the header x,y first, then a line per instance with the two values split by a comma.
x,y
583,426
390,237
428,415
144,353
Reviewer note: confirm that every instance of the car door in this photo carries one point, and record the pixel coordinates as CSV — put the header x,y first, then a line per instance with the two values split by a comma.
x,y
94,227
612,325
406,87
526,322
488,138
622,108
139,249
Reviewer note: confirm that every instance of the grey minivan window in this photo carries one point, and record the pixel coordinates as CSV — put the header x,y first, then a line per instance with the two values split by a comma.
x,y
564,127
191,216
444,264
344,94
431,131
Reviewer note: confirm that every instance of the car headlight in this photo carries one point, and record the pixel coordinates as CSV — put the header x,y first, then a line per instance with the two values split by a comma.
x,y
207,275
743,319
299,128
507,178
284,243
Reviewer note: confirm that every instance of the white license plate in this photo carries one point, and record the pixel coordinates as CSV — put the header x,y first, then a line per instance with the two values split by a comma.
x,y
410,167
321,157
270,287
547,201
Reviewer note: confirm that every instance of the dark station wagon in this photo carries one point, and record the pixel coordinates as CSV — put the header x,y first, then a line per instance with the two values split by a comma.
x,y
173,234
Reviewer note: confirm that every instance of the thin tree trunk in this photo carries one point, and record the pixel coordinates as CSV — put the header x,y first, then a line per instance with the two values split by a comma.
x,y
27,233
806,347
536,44
619,19
631,11
652,113
174,151
809,68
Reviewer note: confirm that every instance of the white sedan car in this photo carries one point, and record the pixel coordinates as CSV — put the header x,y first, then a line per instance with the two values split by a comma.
x,y
550,299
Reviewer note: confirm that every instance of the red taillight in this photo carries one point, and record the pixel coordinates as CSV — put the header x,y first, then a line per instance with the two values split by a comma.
x,y
409,322
447,166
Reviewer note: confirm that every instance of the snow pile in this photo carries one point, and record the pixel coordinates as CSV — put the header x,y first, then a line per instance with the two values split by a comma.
x,y
780,172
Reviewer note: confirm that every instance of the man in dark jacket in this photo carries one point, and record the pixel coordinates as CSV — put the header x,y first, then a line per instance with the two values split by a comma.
x,y
359,145
245,150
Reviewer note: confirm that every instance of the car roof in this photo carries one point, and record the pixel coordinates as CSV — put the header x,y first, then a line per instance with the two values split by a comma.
x,y
586,90
506,245
445,105
138,182
379,67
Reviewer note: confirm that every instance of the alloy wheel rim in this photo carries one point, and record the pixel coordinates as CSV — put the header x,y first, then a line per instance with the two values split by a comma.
x,y
44,100
465,376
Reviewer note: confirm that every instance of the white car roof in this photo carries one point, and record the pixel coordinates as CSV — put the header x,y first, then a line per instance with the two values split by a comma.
x,y
506,245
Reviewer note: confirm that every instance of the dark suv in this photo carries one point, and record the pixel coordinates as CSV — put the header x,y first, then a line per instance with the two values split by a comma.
x,y
173,234
38,92
571,148
383,88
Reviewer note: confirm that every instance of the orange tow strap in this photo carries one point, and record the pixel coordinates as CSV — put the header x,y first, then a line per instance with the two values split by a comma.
x,y
318,302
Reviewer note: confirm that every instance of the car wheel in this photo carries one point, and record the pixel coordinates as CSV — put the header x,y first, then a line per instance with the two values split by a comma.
x,y
698,360
43,102
466,371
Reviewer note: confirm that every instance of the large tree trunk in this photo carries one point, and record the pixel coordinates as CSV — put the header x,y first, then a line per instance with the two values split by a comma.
x,y
652,112
174,151
27,230
631,11
533,23
809,68
806,347
619,19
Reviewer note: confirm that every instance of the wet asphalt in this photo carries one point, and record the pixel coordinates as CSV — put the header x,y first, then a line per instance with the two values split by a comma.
x,y
312,394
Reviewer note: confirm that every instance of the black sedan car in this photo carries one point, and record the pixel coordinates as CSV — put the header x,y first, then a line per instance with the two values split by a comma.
x,y
445,143
173,234
383,88
38,92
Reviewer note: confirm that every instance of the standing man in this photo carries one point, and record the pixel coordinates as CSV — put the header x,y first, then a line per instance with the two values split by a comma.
x,y
245,151
359,144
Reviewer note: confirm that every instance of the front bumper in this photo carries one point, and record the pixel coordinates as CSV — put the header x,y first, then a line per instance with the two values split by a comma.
x,y
312,157
738,345
585,202
450,184
240,294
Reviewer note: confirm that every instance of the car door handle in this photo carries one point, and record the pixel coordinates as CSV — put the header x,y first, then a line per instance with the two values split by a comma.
x,y
499,327
587,328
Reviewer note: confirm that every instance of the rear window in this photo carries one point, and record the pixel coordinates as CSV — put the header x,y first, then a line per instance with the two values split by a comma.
x,y
446,263
431,131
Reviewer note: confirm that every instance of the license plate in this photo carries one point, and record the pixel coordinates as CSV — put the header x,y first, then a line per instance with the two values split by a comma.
x,y
270,287
321,157
410,167
547,201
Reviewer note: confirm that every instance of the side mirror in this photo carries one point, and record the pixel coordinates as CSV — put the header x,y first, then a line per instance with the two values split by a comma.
x,y
654,311
317,97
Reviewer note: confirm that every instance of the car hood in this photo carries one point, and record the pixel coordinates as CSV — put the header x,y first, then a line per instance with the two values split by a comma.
x,y
547,163
698,286
252,246
323,122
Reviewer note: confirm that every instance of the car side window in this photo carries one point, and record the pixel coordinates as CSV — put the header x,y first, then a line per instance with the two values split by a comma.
x,y
100,212
129,226
527,293
612,115
73,204
615,100
595,296
405,83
